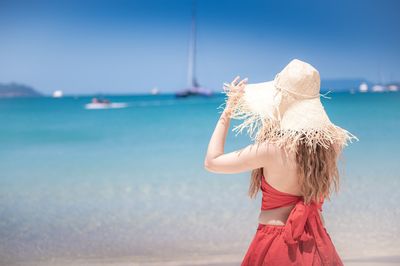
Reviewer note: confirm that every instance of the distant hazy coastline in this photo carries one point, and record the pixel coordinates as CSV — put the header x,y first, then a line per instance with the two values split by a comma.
x,y
13,90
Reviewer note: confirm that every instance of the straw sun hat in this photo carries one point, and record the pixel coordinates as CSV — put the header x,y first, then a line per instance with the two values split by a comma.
x,y
287,110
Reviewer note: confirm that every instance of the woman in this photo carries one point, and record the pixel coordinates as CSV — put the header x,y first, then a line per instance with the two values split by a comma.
x,y
293,162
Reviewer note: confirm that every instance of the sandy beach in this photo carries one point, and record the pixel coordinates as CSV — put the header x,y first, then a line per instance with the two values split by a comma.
x,y
221,260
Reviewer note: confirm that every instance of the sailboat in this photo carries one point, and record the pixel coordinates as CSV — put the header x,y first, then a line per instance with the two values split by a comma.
x,y
193,87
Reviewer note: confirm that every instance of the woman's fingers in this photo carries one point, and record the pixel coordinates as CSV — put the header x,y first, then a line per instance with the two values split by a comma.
x,y
233,83
241,85
242,82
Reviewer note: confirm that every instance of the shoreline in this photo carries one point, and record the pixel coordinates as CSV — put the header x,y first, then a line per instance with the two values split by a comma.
x,y
214,260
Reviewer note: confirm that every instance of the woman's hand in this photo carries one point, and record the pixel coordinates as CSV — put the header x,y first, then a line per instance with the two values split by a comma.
x,y
234,91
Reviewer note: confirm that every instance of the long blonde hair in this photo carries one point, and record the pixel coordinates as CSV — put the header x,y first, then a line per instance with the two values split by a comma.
x,y
317,169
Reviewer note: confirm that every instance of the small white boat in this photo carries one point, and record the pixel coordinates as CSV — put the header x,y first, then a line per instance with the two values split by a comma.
x,y
58,94
378,88
154,91
93,106
363,87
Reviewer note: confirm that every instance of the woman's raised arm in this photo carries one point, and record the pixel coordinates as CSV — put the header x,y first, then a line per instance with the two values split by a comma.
x,y
242,160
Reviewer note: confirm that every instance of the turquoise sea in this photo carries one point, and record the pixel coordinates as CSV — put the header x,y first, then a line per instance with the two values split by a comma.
x,y
129,184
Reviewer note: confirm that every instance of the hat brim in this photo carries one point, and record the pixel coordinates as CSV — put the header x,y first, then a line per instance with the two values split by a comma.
x,y
273,115
260,99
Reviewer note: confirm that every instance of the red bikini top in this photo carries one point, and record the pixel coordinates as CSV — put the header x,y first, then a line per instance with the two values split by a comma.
x,y
273,198
304,222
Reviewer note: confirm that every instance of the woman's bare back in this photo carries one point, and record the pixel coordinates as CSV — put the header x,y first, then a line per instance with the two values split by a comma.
x,y
281,173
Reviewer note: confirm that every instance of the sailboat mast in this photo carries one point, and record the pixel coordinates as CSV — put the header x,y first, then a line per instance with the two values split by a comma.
x,y
191,78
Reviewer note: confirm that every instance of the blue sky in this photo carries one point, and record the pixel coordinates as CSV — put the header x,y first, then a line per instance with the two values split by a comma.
x,y
132,46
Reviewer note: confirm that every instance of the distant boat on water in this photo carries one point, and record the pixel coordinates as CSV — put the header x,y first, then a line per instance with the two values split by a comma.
x,y
378,88
393,87
381,86
103,104
193,87
58,94
363,87
194,91
154,91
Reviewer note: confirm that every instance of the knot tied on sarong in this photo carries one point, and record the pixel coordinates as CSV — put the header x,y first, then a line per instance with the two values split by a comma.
x,y
299,218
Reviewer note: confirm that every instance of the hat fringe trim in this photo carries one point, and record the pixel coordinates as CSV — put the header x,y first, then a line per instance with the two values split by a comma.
x,y
268,129
289,139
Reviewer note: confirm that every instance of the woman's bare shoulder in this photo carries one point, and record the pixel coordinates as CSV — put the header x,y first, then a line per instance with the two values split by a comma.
x,y
272,153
